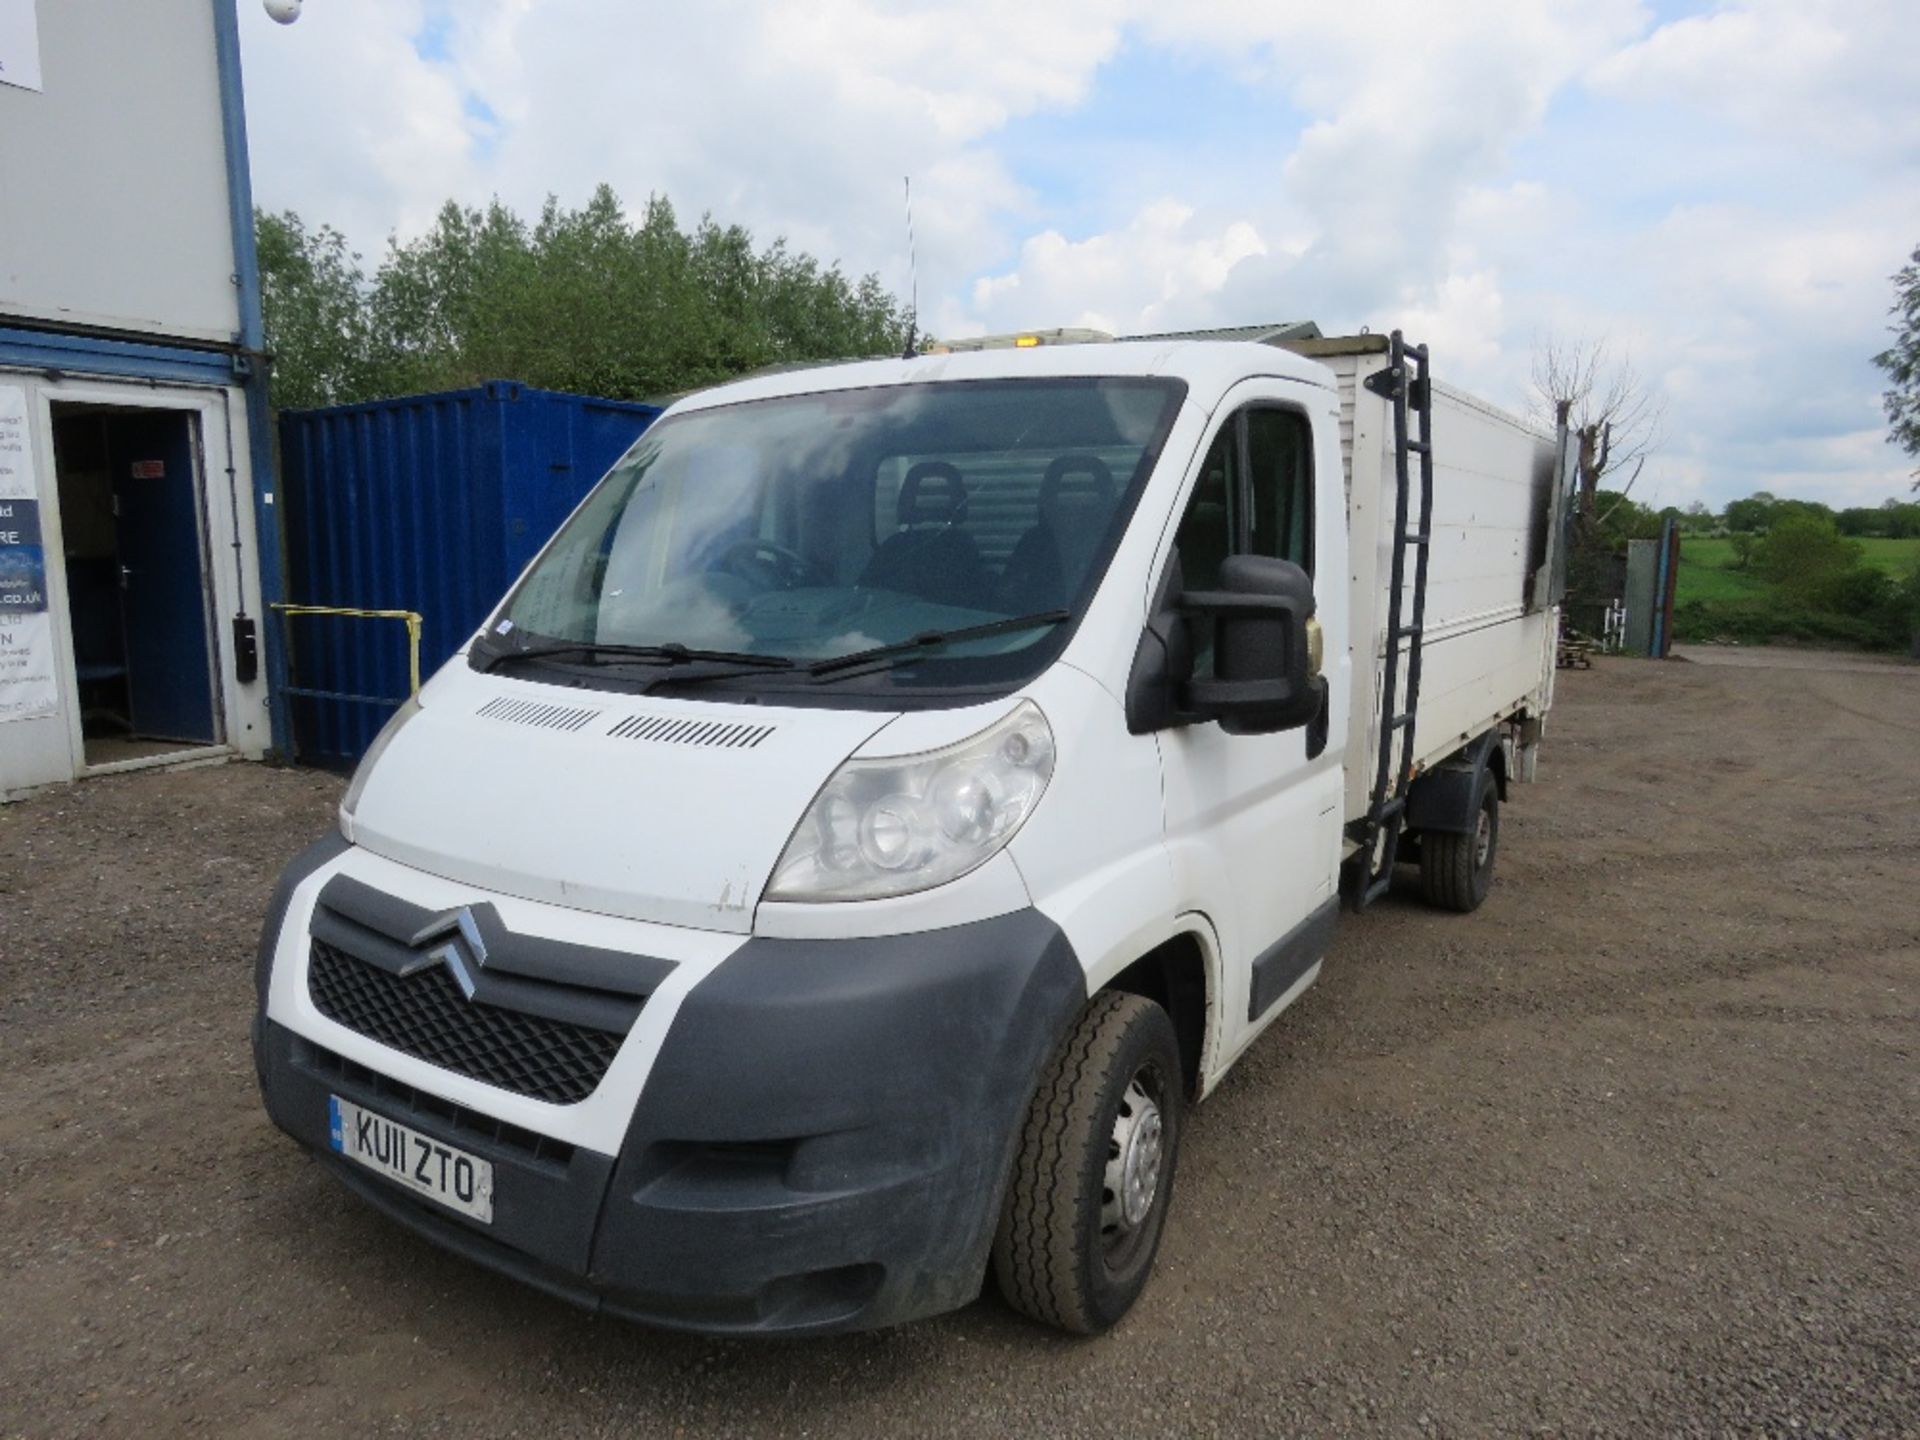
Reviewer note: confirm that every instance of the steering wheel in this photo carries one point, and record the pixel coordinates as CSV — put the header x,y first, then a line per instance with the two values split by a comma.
x,y
770,566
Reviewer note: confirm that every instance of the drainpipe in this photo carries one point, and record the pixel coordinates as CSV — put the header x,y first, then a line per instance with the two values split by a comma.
x,y
251,365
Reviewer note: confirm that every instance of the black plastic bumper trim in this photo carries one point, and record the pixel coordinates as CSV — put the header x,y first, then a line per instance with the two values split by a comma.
x,y
1284,962
821,1145
543,1207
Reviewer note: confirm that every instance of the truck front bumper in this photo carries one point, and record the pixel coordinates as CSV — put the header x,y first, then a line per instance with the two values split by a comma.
x,y
820,1143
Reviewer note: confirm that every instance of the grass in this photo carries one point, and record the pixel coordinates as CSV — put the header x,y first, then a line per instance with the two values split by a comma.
x,y
1707,573
1714,601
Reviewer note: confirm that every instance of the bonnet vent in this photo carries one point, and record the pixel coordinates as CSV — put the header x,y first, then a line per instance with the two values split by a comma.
x,y
664,730
532,712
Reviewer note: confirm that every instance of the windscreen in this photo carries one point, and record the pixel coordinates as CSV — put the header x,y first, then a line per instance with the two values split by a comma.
x,y
818,526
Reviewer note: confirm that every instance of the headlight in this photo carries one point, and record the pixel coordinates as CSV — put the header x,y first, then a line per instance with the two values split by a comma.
x,y
355,786
891,827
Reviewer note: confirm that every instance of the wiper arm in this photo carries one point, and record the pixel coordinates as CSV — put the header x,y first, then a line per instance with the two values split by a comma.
x,y
671,653
935,639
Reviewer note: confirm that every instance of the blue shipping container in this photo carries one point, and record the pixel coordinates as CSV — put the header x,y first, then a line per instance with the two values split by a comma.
x,y
431,503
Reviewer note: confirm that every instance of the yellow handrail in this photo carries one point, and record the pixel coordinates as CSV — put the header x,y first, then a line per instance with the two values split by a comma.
x,y
411,617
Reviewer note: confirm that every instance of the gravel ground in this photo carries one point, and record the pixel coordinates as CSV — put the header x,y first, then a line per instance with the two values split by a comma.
x,y
1633,1150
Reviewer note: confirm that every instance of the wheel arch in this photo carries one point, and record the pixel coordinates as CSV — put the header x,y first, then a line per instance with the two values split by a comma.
x,y
1446,799
1177,975
1497,763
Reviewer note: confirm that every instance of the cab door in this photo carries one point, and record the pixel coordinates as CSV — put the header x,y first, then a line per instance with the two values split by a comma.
x,y
1253,821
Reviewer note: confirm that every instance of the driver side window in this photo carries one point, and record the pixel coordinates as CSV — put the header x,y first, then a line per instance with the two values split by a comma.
x,y
1254,497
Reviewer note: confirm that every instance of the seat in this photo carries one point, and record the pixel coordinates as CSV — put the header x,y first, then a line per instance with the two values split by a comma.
x,y
930,556
1202,540
1051,559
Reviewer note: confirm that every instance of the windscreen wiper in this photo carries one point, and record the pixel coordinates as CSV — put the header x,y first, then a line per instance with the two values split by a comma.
x,y
672,653
840,665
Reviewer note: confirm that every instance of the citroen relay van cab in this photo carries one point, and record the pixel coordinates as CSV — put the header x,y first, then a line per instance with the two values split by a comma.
x,y
897,794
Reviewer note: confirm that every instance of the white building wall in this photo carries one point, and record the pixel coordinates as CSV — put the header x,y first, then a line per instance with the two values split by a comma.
x,y
113,187
115,225
49,748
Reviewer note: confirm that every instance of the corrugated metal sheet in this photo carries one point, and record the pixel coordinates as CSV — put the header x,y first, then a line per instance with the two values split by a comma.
x,y
430,503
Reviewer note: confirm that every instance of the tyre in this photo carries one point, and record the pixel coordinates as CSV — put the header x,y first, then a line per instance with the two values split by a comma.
x,y
1093,1171
1456,870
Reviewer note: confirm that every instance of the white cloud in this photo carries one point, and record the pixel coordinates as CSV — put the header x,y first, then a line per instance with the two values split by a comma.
x,y
1464,318
1724,195
1408,112
1761,326
1391,197
789,119
348,125
1143,277
1840,71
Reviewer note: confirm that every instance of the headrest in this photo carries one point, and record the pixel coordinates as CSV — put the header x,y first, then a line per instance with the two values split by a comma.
x,y
1053,485
933,491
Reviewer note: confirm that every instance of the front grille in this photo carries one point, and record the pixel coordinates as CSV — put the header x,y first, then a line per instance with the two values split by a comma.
x,y
426,1015
424,1109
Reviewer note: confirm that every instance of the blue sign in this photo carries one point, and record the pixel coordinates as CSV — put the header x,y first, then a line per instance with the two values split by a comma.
x,y
23,561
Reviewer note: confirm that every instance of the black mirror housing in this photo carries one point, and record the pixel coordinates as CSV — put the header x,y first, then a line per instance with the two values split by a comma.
x,y
1262,678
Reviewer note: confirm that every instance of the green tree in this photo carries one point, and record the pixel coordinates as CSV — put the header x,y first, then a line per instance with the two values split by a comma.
x,y
1901,522
313,297
1751,514
584,300
1862,520
1619,519
1899,615
1804,556
587,300
1901,361
1782,509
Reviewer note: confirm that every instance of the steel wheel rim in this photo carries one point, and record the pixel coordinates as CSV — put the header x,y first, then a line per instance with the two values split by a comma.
x,y
1482,839
1136,1164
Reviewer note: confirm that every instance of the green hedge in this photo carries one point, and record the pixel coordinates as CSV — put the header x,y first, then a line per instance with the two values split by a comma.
x,y
1757,622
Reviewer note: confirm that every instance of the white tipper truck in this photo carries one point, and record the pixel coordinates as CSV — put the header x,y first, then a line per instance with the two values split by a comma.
x,y
897,794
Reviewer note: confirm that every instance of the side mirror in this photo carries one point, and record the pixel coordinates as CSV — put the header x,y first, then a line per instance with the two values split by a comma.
x,y
1264,676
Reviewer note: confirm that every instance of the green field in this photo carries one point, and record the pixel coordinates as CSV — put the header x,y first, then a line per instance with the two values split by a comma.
x,y
1707,573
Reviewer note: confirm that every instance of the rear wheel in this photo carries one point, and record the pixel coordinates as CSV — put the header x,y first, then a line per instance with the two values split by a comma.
x,y
1093,1172
1457,870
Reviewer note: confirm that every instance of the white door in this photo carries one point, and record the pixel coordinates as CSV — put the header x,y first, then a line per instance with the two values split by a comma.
x,y
1253,821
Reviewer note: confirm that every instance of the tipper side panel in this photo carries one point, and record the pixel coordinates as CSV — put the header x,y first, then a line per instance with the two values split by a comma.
x,y
1488,648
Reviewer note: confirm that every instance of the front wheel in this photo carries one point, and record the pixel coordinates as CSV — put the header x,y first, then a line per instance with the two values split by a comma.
x,y
1093,1172
1457,870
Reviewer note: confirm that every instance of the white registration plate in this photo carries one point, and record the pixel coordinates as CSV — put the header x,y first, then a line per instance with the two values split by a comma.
x,y
422,1164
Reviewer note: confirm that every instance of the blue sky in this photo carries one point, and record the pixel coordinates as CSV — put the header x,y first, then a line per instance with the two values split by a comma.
x,y
1718,192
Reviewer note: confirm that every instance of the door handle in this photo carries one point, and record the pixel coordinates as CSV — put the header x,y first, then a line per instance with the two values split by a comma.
x,y
126,577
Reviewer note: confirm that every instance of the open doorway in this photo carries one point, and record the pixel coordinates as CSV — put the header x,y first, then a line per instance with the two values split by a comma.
x,y
136,570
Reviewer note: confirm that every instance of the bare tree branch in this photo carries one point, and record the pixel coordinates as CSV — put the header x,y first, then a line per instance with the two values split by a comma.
x,y
1614,414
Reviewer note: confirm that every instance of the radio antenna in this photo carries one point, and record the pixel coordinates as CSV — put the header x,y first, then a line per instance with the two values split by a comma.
x,y
913,278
